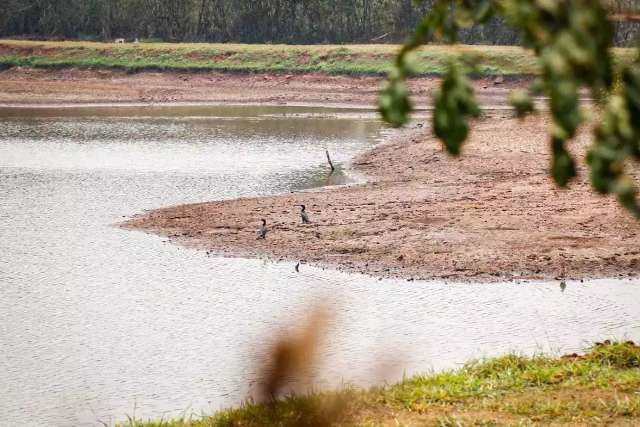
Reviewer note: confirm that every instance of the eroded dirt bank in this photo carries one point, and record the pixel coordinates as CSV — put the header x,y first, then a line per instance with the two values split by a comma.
x,y
72,86
492,214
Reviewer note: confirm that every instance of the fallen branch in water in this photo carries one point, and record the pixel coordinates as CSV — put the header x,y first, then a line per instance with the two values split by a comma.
x,y
333,169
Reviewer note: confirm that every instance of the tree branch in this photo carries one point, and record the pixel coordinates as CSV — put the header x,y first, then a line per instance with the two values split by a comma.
x,y
625,17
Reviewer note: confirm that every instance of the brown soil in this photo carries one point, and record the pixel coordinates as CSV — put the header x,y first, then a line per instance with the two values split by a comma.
x,y
574,407
72,86
492,214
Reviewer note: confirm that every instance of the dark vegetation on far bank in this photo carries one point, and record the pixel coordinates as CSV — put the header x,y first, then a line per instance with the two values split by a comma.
x,y
248,21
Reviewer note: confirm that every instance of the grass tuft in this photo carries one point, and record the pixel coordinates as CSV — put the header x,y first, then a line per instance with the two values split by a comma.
x,y
619,355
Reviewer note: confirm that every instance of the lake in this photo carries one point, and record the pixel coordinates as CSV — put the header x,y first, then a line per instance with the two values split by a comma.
x,y
97,322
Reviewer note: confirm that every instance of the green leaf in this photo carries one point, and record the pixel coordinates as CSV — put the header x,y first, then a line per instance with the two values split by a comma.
x,y
521,100
455,103
393,103
563,167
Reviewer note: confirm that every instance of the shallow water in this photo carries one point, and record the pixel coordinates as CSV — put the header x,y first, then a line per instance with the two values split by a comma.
x,y
97,322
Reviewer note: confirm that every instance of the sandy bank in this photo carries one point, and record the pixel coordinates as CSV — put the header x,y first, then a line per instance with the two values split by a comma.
x,y
491,215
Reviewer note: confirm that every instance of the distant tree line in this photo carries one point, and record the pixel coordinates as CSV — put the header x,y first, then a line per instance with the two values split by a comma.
x,y
246,21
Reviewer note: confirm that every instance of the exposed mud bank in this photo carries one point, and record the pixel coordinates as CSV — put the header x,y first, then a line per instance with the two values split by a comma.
x,y
26,86
491,215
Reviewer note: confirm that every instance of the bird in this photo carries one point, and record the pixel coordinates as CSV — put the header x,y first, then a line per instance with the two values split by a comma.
x,y
304,214
263,230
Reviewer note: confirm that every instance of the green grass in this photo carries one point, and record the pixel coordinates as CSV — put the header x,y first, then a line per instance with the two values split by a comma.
x,y
330,59
599,388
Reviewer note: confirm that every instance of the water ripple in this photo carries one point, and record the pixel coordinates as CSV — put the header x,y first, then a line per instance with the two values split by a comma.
x,y
97,322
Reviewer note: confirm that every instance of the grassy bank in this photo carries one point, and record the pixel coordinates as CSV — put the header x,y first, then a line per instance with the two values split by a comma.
x,y
599,388
331,59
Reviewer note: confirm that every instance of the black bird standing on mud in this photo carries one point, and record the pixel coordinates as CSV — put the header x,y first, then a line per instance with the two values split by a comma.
x,y
263,230
304,214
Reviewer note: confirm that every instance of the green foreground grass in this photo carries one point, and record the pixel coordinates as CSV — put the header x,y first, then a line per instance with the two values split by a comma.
x,y
599,388
330,59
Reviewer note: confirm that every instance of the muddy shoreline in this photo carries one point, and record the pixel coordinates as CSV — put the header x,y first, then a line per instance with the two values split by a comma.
x,y
491,215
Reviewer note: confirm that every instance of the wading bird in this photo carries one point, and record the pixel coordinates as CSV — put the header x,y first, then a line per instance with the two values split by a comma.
x,y
263,230
304,214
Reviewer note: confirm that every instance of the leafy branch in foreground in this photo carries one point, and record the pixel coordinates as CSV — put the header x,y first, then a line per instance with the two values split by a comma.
x,y
572,41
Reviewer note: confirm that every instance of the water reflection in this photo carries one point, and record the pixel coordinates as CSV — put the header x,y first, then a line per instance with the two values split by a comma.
x,y
95,320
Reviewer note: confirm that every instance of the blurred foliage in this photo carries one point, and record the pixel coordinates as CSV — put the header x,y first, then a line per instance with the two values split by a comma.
x,y
617,140
455,103
571,40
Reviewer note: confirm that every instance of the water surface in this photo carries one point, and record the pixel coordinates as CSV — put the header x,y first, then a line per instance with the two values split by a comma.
x,y
97,322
